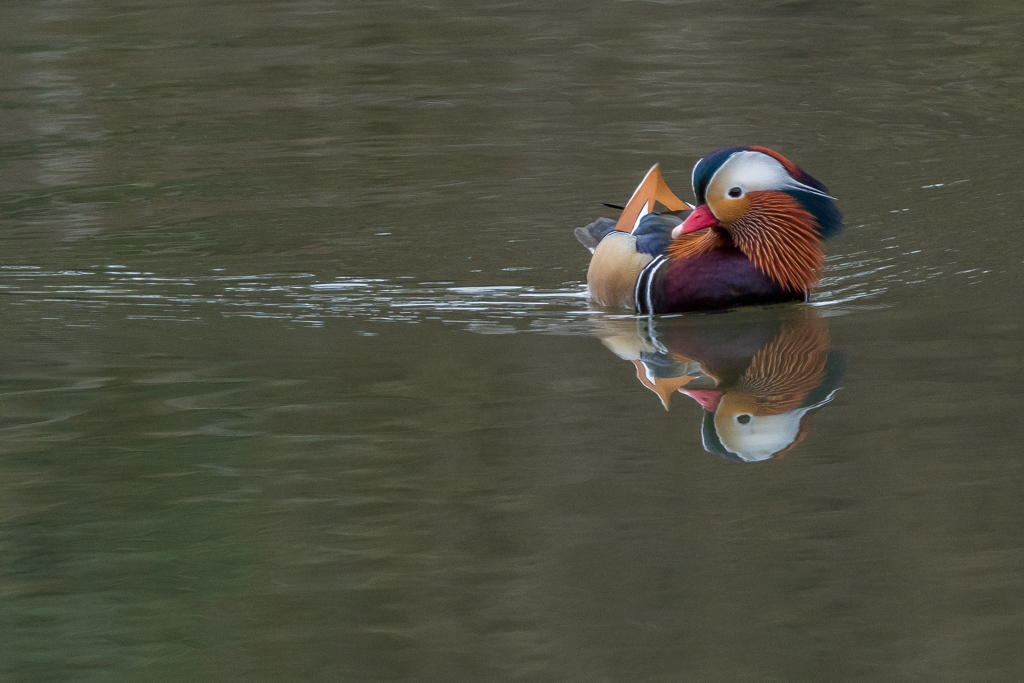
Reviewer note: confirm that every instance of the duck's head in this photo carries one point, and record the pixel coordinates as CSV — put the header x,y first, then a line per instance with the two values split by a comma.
x,y
768,207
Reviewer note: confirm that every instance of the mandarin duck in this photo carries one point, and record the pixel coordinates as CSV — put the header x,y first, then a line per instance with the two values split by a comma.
x,y
757,377
755,237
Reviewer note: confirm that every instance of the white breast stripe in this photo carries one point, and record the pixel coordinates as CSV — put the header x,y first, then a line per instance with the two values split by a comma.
x,y
641,284
650,280
642,291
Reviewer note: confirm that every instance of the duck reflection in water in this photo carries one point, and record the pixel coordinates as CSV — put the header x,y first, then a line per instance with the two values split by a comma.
x,y
758,374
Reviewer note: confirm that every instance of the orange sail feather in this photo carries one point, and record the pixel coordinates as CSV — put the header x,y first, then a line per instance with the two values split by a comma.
x,y
651,189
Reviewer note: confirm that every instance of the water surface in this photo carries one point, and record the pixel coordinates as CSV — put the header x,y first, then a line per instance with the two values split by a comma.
x,y
300,380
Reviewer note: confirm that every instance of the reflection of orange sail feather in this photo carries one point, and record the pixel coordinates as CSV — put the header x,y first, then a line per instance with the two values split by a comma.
x,y
664,387
651,189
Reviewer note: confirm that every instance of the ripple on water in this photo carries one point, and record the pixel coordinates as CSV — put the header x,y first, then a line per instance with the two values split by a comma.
x,y
294,297
855,280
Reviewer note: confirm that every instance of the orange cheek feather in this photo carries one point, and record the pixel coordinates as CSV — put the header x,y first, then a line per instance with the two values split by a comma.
x,y
781,238
729,210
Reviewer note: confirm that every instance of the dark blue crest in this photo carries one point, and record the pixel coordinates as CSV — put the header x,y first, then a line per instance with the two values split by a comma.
x,y
706,168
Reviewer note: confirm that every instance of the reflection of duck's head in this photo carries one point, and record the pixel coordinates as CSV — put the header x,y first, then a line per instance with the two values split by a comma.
x,y
736,432
764,413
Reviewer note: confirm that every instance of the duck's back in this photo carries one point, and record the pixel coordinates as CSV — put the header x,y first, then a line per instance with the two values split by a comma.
x,y
620,257
614,269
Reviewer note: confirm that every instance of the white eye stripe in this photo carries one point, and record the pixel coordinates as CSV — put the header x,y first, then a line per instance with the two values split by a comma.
x,y
797,185
756,171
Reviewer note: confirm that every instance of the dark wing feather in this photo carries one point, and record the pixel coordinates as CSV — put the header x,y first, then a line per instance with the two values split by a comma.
x,y
654,233
591,235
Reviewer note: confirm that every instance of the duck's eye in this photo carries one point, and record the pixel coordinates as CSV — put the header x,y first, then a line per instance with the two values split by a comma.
x,y
743,419
735,192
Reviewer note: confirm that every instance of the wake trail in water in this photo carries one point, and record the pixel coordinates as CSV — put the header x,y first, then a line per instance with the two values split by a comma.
x,y
89,296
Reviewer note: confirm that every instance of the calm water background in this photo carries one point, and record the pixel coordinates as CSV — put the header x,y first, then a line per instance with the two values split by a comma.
x,y
298,381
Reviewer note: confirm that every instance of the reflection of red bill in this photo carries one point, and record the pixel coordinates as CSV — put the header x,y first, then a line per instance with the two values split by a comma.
x,y
708,398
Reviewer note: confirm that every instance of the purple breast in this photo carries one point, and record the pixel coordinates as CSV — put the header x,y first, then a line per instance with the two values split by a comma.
x,y
719,279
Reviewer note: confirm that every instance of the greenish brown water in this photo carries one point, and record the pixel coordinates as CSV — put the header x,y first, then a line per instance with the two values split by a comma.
x,y
299,381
